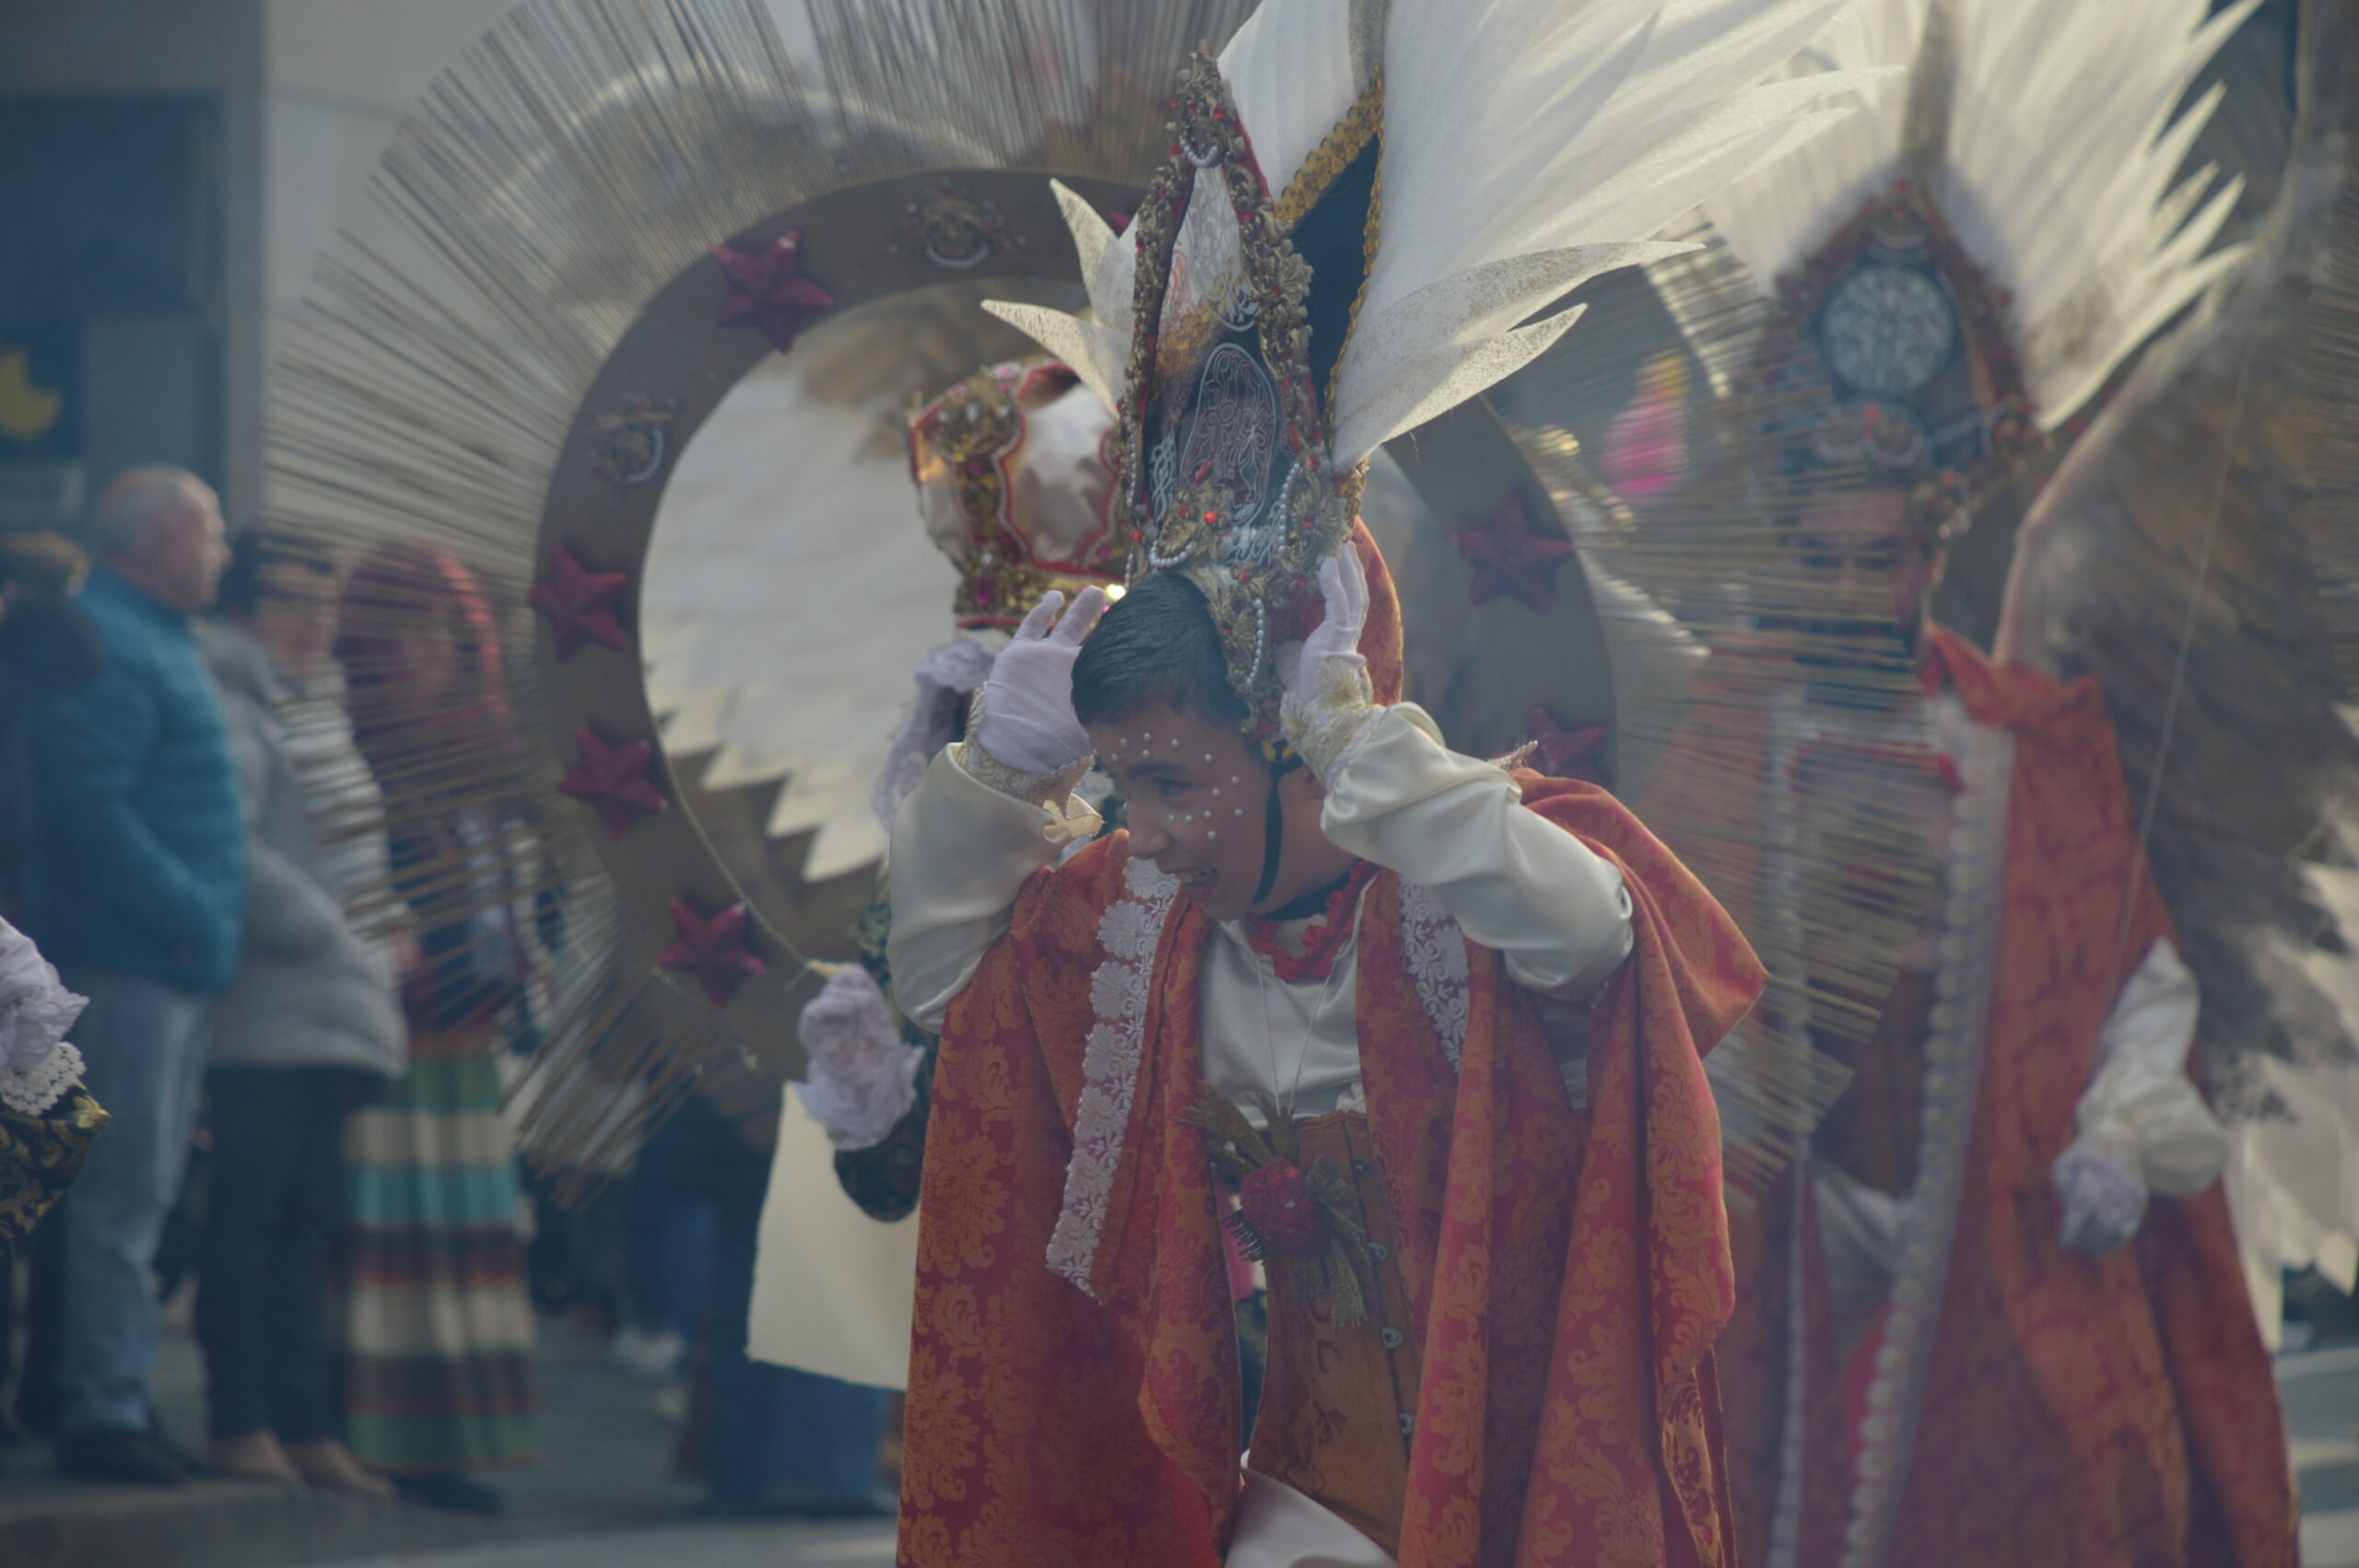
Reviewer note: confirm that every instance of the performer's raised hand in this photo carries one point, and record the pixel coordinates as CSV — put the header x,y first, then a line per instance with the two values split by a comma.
x,y
1024,714
1343,583
1329,701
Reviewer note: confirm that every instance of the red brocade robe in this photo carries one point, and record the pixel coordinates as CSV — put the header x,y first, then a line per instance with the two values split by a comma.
x,y
1568,1271
2081,1412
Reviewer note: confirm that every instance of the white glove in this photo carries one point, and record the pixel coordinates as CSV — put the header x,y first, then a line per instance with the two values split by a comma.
x,y
863,1075
2103,1198
1025,711
1328,700
36,1009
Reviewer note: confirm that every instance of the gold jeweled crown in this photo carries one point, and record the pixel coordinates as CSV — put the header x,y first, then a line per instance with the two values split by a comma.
x,y
1243,304
1898,351
969,451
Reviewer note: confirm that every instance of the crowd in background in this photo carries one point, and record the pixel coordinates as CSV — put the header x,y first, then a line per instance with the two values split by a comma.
x,y
302,1010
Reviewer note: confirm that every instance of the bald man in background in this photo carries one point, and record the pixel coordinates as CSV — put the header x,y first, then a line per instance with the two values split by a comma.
x,y
136,889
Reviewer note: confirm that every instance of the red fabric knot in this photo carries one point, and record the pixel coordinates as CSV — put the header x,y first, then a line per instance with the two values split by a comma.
x,y
1275,1201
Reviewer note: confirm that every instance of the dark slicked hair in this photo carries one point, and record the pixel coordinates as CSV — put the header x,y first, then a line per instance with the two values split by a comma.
x,y
1157,648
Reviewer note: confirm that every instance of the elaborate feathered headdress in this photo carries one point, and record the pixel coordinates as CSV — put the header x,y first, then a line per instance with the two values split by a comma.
x,y
1958,268
1358,206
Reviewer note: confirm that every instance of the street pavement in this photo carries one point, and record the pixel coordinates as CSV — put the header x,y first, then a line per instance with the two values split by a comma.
x,y
782,1545
2321,1389
603,1498
2321,1392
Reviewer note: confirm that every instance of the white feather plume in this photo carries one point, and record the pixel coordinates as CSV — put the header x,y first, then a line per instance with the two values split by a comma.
x,y
1531,145
766,532
1528,146
2059,170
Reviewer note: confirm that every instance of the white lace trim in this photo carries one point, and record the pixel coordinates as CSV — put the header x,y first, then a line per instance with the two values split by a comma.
x,y
33,1091
1130,931
1330,728
1436,950
1793,1437
1954,1048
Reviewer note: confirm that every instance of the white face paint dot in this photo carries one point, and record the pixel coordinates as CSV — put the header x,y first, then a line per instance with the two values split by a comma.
x,y
1211,833
1240,811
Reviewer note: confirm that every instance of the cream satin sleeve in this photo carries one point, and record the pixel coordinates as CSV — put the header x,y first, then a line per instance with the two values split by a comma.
x,y
1518,883
961,848
2140,1104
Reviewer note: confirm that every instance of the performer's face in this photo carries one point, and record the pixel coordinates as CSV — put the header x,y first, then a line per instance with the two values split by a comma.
x,y
1195,793
1862,549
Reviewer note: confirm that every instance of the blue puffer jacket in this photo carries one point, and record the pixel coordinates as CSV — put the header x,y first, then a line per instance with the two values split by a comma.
x,y
138,860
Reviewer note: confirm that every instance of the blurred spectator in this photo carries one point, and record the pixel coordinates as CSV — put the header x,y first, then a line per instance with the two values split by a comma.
x,y
766,1439
135,888
46,645
438,1330
310,1030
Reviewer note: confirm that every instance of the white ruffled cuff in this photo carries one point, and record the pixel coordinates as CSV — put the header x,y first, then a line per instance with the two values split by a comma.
x,y
32,1091
863,1075
2104,1196
1330,726
36,1009
1069,817
858,1112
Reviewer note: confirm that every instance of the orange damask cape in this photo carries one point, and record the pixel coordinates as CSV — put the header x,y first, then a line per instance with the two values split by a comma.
x,y
1073,1394
2076,1411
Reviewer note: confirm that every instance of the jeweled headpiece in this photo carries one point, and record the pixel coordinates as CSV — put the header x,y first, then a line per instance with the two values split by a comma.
x,y
1358,204
1897,353
1958,269
1226,469
1015,485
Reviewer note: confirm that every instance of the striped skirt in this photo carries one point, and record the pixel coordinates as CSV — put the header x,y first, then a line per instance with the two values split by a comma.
x,y
437,1322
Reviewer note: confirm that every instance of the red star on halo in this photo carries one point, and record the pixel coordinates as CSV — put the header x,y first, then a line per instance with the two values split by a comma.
x,y
580,604
613,780
1564,753
711,948
768,290
1509,557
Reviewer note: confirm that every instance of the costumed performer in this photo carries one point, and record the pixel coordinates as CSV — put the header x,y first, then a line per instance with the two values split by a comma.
x,y
1324,957
1997,1314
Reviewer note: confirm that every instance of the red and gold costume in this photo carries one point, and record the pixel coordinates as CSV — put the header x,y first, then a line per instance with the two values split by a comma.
x,y
2015,1400
1566,1272
1502,1063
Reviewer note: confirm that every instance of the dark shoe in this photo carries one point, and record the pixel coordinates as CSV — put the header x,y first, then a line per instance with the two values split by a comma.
x,y
112,1454
194,1465
449,1490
